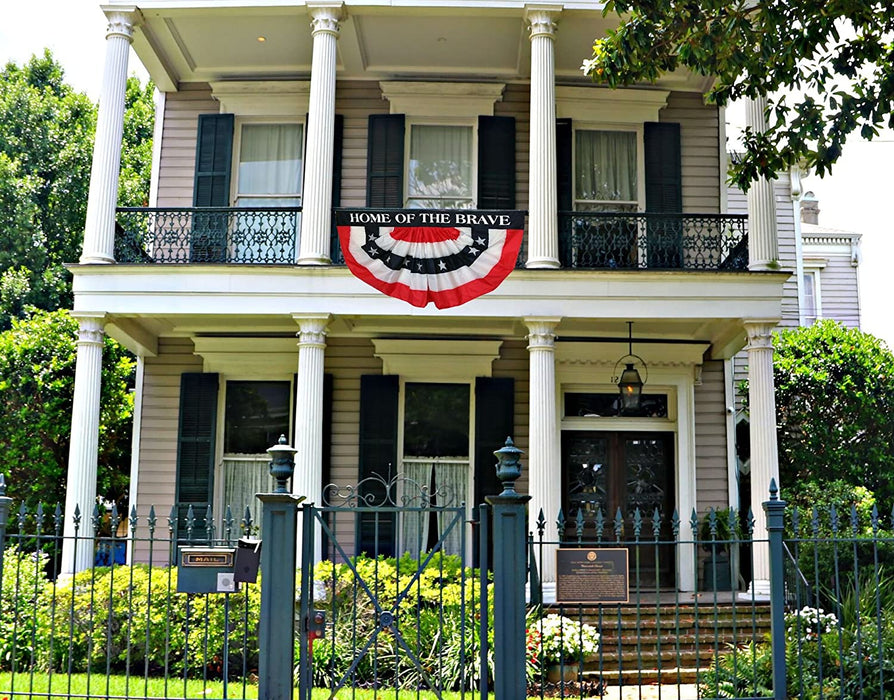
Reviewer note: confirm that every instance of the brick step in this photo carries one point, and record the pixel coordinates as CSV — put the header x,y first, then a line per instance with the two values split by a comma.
x,y
685,641
668,676
704,622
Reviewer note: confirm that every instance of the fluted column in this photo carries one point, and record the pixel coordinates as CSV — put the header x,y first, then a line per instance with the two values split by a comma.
x,y
308,478
80,487
316,203
543,229
99,228
764,455
543,440
763,248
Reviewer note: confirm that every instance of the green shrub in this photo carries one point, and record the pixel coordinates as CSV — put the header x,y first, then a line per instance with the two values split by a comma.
x,y
22,605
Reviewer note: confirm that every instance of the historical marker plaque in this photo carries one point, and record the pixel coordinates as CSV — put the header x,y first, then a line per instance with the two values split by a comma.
x,y
586,575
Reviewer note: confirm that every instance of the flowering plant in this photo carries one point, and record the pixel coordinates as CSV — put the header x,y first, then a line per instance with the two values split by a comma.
x,y
563,639
809,623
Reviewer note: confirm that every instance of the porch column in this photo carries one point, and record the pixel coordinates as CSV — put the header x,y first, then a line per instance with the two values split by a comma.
x,y
763,249
543,442
307,481
316,218
80,489
99,227
543,231
764,455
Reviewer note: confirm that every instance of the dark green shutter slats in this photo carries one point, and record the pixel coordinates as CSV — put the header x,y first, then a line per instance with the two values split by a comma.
x,y
664,193
664,181
378,458
496,162
214,155
337,147
494,422
564,174
195,449
385,161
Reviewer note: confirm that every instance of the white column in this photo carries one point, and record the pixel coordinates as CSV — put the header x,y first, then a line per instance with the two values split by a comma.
x,y
80,488
99,228
543,230
763,249
544,468
764,455
316,203
308,477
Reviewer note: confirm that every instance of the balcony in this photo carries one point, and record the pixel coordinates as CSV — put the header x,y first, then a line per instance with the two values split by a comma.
x,y
587,240
639,241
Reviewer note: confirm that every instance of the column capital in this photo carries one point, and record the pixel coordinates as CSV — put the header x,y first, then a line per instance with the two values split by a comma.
x,y
540,331
326,17
90,327
760,333
312,331
122,21
542,19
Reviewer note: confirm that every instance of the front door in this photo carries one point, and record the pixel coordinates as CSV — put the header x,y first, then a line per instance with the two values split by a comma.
x,y
611,471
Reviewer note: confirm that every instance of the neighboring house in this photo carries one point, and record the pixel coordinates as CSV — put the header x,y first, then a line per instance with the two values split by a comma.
x,y
385,109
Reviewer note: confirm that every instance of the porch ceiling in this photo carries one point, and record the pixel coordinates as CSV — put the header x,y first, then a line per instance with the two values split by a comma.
x,y
182,42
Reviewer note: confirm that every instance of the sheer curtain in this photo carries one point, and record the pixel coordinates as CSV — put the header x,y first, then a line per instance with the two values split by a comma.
x,y
440,167
270,164
606,167
451,481
244,476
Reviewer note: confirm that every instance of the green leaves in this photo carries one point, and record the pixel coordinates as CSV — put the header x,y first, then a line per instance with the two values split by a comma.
x,y
827,68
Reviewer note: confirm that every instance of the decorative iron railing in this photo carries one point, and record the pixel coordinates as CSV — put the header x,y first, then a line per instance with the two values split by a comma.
x,y
257,236
637,241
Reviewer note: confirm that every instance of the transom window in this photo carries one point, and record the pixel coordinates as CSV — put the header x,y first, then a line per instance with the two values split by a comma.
x,y
270,165
440,169
605,174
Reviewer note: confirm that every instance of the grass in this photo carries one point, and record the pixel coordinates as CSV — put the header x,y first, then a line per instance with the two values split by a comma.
x,y
56,687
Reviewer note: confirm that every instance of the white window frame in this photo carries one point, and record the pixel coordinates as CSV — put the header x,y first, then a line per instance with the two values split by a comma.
x,y
813,272
468,122
237,152
639,204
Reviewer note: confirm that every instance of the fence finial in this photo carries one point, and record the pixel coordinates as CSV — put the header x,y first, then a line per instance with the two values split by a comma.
x,y
2,484
774,490
508,465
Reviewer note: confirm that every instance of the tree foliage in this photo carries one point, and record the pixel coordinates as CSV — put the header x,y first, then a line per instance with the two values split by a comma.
x,y
826,67
37,363
835,408
46,147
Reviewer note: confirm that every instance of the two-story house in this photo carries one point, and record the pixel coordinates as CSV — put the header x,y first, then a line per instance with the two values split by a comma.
x,y
279,120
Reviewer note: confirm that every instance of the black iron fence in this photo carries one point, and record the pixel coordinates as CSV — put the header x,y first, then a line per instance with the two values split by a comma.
x,y
260,236
631,241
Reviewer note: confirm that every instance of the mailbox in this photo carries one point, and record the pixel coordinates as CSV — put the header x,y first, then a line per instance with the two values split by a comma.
x,y
248,559
207,570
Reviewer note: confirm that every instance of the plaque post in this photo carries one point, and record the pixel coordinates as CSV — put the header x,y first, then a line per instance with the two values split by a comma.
x,y
510,539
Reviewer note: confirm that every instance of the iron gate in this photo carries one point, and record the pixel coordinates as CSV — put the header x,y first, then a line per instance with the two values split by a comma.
x,y
394,603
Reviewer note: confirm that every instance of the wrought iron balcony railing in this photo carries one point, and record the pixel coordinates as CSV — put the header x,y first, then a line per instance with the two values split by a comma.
x,y
637,241
258,236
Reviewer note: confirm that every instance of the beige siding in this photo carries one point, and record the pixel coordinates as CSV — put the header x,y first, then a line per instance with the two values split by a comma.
x,y
513,362
176,170
839,294
158,431
711,471
356,100
516,103
699,135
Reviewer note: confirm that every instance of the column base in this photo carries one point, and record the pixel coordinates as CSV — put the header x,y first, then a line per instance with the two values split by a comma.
x,y
758,590
313,260
96,259
548,589
542,264
764,266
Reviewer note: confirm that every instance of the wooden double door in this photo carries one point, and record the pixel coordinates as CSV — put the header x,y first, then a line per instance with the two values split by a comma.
x,y
609,471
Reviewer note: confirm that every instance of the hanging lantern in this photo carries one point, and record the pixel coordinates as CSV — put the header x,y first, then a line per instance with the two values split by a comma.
x,y
630,383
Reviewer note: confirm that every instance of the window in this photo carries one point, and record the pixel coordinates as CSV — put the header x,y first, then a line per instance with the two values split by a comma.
x,y
605,173
812,304
270,165
255,415
440,167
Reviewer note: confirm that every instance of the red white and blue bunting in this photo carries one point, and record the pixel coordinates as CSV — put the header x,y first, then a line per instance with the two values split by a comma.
x,y
422,256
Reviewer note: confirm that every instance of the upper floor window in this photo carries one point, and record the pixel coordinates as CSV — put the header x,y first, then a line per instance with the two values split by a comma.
x,y
270,165
812,304
440,167
606,171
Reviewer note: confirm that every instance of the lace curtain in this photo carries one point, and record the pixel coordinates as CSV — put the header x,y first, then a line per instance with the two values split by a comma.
x,y
440,167
243,477
605,167
451,481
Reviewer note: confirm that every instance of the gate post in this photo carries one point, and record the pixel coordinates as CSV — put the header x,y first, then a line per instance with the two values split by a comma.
x,y
510,528
276,631
775,510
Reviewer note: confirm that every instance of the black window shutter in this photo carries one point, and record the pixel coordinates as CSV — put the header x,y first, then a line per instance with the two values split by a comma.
x,y
378,458
564,174
195,449
385,161
328,380
496,162
664,181
337,147
494,422
214,153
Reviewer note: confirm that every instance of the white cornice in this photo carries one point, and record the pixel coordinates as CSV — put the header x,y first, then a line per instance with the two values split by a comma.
x,y
271,357
607,105
273,98
422,359
432,99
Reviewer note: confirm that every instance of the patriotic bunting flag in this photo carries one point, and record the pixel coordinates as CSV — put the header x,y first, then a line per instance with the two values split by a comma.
x,y
422,256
